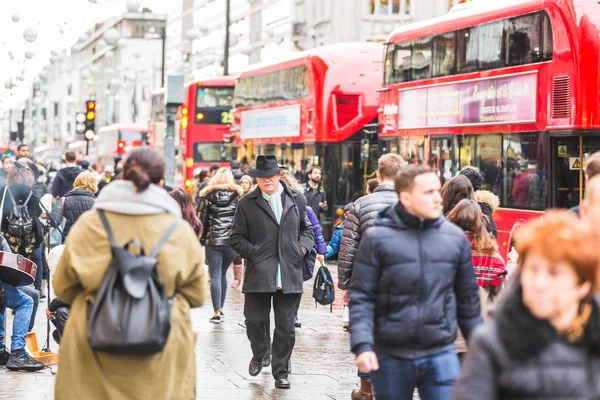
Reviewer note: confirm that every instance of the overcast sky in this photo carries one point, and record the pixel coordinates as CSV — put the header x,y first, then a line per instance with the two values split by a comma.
x,y
49,18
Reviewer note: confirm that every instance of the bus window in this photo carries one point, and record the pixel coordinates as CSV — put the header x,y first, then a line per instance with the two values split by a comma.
x,y
214,97
486,45
524,39
398,64
466,57
547,44
421,59
444,57
130,136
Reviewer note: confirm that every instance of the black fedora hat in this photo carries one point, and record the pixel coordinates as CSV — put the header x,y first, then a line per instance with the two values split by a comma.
x,y
265,166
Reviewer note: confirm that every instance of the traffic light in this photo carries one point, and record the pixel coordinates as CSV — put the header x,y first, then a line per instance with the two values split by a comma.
x,y
90,120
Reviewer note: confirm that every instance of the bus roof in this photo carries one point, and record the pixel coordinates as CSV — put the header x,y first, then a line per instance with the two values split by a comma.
x,y
470,14
329,54
219,81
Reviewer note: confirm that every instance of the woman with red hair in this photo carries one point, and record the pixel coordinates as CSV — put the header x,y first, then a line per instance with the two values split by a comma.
x,y
544,341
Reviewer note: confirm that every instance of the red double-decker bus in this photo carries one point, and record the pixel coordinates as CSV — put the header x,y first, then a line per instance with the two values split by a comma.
x,y
205,119
315,108
510,87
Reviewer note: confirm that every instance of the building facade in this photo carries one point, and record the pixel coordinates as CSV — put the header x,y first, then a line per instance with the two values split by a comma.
x,y
262,30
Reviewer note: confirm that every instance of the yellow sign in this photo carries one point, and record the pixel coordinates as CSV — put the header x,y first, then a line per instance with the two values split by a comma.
x,y
562,151
574,163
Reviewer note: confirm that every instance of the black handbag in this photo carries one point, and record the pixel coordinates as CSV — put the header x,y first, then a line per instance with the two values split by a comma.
x,y
131,313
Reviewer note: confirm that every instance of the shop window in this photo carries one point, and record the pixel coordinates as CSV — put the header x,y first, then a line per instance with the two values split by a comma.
x,y
387,7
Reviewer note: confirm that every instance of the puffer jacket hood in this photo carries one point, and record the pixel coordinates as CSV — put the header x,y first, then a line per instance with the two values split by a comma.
x,y
487,197
224,187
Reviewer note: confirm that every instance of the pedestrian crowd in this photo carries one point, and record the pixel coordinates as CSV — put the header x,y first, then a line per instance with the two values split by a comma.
x,y
428,299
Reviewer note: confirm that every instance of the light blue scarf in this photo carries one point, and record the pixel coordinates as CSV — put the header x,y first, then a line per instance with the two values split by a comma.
x,y
274,201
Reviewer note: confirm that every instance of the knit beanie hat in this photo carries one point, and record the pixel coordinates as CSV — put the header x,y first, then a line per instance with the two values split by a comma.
x,y
474,176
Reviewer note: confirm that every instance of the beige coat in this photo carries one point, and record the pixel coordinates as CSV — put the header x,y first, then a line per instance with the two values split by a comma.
x,y
169,375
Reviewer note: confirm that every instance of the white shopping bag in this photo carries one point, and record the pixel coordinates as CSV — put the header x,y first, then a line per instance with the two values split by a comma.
x,y
346,315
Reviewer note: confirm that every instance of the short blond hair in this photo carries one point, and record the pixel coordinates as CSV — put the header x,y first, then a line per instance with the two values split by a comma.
x,y
389,164
86,181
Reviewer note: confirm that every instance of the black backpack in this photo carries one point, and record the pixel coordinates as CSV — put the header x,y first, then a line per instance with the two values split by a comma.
x,y
323,288
20,223
131,314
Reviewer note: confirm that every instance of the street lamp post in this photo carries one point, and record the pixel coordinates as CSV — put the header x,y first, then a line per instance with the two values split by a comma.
x,y
226,50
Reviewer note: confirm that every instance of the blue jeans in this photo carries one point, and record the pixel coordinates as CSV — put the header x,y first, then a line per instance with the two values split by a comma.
x,y
35,296
218,258
23,305
433,375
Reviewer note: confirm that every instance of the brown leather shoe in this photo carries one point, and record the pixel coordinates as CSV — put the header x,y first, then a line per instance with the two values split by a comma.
x,y
365,392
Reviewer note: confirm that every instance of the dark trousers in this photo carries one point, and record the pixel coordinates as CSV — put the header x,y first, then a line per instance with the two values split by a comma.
x,y
257,310
59,321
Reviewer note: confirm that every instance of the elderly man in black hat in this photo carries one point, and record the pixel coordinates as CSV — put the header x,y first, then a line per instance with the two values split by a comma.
x,y
272,233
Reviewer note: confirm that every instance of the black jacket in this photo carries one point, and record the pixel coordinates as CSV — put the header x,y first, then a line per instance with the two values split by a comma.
x,y
413,282
263,243
63,183
518,356
76,202
314,197
488,202
361,217
217,210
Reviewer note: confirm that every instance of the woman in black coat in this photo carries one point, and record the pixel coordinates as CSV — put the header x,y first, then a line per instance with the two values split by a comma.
x,y
545,340
77,201
218,202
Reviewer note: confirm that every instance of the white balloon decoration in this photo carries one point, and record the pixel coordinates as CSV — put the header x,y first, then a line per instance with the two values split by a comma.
x,y
29,55
132,5
15,18
30,34
111,36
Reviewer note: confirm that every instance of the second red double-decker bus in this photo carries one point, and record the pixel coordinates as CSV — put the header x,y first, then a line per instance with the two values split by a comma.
x,y
205,119
508,86
317,107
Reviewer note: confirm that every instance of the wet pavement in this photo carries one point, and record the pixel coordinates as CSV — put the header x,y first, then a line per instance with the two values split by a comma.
x,y
322,365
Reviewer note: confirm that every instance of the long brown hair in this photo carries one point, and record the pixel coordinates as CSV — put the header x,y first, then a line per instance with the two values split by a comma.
x,y
455,190
187,209
468,216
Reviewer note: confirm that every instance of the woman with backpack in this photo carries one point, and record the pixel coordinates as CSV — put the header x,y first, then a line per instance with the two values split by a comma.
x,y
138,213
20,211
77,201
219,201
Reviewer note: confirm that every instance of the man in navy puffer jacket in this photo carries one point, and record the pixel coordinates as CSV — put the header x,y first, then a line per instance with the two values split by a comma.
x,y
413,281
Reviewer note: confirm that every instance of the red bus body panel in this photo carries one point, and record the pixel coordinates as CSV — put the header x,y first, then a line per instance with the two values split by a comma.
x,y
352,69
576,48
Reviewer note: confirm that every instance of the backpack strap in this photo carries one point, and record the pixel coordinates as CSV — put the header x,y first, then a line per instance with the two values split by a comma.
x,y
164,239
111,237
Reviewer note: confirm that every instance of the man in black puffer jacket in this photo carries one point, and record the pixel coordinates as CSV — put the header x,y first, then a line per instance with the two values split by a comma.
x,y
360,219
413,282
